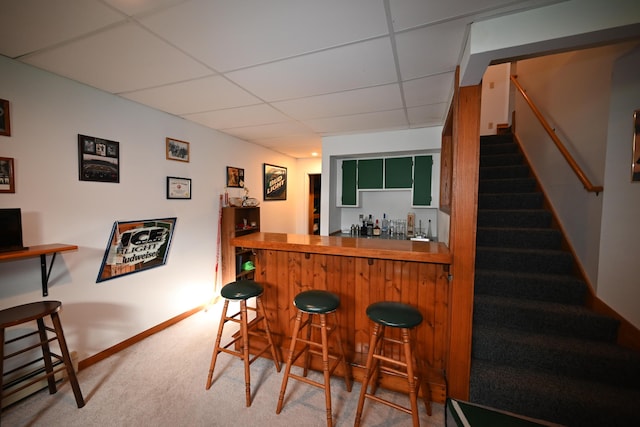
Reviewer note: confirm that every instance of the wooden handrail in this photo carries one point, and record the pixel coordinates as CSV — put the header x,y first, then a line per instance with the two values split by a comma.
x,y
572,163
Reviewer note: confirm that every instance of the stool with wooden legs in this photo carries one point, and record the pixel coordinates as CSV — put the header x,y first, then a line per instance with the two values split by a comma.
x,y
37,311
405,318
241,291
316,304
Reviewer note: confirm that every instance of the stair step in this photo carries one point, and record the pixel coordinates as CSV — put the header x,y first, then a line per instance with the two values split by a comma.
x,y
505,138
530,218
561,400
493,148
507,185
507,159
563,289
512,237
525,260
543,317
591,360
496,172
510,200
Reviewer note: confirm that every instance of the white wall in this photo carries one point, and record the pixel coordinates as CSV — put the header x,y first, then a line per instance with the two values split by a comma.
x,y
423,140
494,108
47,113
575,93
620,233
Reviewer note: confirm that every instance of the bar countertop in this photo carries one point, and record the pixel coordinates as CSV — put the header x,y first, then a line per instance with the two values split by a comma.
x,y
399,250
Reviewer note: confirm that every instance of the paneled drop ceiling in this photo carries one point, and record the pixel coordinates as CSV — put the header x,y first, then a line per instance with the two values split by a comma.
x,y
278,73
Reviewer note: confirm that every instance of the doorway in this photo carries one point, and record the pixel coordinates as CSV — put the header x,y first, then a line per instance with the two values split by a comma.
x,y
314,203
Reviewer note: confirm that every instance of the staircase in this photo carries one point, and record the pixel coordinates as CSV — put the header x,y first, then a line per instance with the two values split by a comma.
x,y
537,350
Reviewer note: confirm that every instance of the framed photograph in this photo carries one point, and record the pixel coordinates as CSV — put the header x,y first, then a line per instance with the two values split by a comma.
x,y
98,159
135,246
178,188
5,122
635,160
7,180
177,150
275,182
235,177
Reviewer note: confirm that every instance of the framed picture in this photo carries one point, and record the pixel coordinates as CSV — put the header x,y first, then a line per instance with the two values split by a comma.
x,y
135,246
635,160
275,182
178,188
7,181
98,159
5,122
177,150
235,177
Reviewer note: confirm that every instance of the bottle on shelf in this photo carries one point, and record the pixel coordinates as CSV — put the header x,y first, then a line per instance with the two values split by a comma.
x,y
385,224
429,232
376,229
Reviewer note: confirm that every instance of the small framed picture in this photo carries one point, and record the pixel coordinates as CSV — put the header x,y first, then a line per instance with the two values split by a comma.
x,y
5,122
235,177
177,150
7,181
275,182
98,159
178,188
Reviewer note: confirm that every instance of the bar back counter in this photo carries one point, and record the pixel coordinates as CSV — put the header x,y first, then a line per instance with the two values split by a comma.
x,y
361,271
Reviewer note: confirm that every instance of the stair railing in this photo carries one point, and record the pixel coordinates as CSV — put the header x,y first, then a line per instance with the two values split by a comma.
x,y
565,153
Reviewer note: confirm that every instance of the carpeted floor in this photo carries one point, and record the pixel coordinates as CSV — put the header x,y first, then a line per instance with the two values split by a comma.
x,y
161,382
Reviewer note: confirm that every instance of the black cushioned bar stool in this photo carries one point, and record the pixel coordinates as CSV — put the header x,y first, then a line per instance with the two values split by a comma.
x,y
316,304
405,318
37,311
241,291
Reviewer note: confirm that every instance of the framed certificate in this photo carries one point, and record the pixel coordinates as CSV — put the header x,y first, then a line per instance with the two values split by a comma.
x,y
178,188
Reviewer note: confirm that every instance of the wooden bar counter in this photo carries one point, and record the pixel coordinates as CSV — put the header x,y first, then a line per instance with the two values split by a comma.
x,y
361,271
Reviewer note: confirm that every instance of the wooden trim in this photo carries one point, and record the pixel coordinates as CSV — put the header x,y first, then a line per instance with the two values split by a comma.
x,y
464,209
552,134
135,339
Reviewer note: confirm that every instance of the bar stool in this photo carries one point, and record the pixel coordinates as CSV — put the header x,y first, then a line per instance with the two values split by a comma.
x,y
241,291
38,311
404,317
316,303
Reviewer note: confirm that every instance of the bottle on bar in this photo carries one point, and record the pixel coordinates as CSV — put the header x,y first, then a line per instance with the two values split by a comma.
x,y
376,229
385,224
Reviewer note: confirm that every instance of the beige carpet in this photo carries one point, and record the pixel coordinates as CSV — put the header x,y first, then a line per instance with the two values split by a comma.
x,y
161,382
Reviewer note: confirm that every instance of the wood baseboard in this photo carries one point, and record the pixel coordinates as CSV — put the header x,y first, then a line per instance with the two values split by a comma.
x,y
135,339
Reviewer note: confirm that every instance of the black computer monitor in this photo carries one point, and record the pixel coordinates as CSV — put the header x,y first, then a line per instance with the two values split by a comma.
x,y
11,230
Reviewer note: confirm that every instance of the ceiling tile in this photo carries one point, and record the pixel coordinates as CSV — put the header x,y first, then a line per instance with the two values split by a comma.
x,y
378,98
228,35
146,62
29,25
194,96
355,66
252,133
239,117
427,115
137,7
440,47
360,122
429,90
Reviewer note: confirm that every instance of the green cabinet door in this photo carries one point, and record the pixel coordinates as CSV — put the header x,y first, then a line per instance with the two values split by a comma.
x,y
397,172
422,181
349,182
370,174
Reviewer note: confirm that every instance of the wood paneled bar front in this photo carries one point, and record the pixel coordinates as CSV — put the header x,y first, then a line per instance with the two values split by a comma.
x,y
361,271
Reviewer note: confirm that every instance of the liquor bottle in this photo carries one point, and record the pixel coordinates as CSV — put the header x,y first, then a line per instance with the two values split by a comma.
x,y
376,229
385,224
370,226
429,232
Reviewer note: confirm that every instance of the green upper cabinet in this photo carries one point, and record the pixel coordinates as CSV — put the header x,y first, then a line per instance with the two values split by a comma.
x,y
370,174
397,172
349,182
422,181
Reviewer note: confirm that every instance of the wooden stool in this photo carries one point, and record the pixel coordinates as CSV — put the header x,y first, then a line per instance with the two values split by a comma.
x,y
241,291
38,311
316,303
404,317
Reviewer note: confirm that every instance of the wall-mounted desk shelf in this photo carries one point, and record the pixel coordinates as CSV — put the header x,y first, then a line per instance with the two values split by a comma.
x,y
41,251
